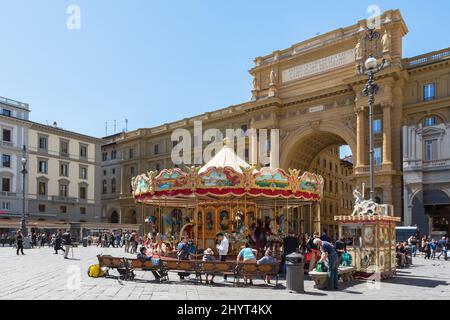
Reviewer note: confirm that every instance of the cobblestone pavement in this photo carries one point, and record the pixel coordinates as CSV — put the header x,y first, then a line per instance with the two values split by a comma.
x,y
41,274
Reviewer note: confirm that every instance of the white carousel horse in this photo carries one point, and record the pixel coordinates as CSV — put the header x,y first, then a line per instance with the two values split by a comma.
x,y
362,206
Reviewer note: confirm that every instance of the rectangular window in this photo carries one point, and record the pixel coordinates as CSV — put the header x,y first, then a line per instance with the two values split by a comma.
x,y
6,161
63,169
63,209
7,112
43,143
41,208
131,153
42,166
377,126
430,150
429,91
83,151
6,135
83,193
64,147
82,210
42,188
156,149
63,190
6,184
114,155
104,156
6,205
377,156
83,173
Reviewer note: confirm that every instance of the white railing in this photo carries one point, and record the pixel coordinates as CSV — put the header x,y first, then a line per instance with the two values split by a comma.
x,y
426,164
13,102
428,58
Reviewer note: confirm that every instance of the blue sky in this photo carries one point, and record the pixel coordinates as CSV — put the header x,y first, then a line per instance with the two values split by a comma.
x,y
159,61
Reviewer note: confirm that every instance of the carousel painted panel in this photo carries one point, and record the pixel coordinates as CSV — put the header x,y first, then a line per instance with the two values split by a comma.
x,y
311,183
269,178
141,185
171,179
220,178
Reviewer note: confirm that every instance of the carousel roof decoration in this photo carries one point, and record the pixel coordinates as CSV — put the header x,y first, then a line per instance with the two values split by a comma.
x,y
226,176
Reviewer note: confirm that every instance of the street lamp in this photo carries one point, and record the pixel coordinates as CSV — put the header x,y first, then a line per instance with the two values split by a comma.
x,y
371,88
23,224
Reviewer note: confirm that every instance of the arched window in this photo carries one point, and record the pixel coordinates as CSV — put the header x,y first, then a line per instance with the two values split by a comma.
x,y
114,217
113,185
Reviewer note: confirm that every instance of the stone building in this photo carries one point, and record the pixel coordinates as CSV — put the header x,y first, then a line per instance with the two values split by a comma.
x,y
426,144
13,137
313,93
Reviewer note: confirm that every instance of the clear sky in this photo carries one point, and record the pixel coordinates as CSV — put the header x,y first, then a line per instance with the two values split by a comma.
x,y
159,61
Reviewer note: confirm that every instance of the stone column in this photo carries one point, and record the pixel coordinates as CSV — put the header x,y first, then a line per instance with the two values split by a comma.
x,y
407,210
360,137
387,137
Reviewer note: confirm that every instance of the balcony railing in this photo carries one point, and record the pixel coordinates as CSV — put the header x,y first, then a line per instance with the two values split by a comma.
x,y
13,103
8,194
63,199
7,144
427,58
426,164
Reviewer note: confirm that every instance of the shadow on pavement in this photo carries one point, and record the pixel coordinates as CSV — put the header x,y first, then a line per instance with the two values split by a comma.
x,y
416,281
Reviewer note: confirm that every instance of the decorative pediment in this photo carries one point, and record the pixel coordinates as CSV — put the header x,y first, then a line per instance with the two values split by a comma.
x,y
430,131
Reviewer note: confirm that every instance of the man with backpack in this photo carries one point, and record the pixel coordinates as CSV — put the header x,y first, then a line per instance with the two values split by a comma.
x,y
67,242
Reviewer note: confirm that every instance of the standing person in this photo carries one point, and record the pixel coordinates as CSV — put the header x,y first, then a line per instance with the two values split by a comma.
x,y
412,241
183,254
329,252
112,240
260,234
222,247
58,242
290,245
433,249
427,250
341,247
19,242
443,245
126,238
325,237
67,242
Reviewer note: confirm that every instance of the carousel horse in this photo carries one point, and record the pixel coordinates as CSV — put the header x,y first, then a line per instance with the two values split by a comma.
x,y
362,206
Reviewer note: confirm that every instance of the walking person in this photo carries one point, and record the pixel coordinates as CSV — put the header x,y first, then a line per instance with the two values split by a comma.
x,y
223,247
19,242
58,242
67,242
329,252
427,250
433,246
442,244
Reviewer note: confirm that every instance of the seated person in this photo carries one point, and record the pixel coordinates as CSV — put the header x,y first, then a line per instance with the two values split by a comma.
x,y
267,259
401,254
248,255
142,255
208,255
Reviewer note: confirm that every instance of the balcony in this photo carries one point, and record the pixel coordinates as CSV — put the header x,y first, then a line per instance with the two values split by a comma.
x,y
418,165
7,144
62,199
427,58
8,194
13,103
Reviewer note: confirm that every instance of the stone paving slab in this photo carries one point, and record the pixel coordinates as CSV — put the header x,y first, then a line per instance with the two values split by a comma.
x,y
43,275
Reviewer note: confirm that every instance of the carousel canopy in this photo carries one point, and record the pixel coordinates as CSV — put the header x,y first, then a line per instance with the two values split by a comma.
x,y
226,176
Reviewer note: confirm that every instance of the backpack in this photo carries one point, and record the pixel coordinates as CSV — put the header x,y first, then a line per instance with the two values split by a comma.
x,y
346,259
95,271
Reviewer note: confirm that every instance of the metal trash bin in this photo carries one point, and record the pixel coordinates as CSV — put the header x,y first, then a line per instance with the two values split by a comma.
x,y
295,273
85,242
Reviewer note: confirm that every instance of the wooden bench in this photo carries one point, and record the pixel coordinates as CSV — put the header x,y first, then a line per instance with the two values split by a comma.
x,y
250,270
188,266
147,265
219,268
111,262
321,278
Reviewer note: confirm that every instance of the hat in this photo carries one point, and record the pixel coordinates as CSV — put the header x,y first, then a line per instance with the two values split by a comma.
x,y
317,241
208,251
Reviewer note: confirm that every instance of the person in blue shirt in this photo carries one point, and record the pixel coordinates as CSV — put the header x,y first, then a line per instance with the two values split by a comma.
x,y
248,255
442,244
329,252
267,259
433,247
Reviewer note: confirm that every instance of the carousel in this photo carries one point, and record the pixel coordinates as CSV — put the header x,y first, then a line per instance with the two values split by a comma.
x,y
228,195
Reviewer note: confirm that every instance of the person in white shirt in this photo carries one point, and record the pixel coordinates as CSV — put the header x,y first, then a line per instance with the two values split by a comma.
x,y
222,247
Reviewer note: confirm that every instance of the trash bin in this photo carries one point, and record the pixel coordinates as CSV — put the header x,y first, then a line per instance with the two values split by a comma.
x,y
295,273
85,242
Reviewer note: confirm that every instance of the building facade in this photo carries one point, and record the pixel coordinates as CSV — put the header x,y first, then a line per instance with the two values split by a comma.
x,y
64,175
111,179
426,144
338,186
14,136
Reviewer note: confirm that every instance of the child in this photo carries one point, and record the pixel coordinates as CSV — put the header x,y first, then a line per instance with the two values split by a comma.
x,y
208,255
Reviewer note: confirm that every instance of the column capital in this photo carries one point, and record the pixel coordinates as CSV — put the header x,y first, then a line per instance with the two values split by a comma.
x,y
387,104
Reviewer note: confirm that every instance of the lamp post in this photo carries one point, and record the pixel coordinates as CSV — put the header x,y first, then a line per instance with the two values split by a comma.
x,y
370,89
23,223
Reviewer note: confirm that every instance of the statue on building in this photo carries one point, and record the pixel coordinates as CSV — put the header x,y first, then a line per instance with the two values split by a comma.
x,y
358,51
255,83
386,41
272,77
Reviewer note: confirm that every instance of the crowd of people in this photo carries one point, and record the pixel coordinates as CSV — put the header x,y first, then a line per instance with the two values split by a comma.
x,y
425,246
